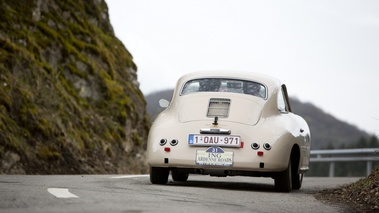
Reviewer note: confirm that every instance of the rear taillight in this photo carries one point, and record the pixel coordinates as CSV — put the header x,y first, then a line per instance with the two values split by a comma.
x,y
174,142
163,141
267,146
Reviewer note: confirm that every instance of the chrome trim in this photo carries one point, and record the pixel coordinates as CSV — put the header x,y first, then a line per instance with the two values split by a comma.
x,y
215,131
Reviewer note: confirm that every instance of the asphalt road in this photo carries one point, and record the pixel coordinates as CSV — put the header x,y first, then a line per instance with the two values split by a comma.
x,y
134,193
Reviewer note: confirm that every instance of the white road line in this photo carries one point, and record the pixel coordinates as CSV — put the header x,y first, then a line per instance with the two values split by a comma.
x,y
61,193
130,176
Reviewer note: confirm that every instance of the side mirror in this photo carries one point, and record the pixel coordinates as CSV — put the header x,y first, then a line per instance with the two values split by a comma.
x,y
164,103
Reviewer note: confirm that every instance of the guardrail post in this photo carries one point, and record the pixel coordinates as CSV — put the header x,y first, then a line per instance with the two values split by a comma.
x,y
369,167
331,169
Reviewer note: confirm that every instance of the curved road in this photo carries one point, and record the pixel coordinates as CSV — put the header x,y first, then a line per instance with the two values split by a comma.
x,y
134,193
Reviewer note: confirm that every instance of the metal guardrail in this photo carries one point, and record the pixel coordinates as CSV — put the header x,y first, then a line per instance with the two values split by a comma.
x,y
338,155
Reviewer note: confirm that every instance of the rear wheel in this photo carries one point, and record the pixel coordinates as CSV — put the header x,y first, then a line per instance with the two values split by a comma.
x,y
159,175
283,181
179,176
297,180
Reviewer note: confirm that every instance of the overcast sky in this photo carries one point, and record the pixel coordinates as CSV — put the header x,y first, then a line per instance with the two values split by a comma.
x,y
326,51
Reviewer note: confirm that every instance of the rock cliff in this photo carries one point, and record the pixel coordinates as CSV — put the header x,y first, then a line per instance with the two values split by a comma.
x,y
69,97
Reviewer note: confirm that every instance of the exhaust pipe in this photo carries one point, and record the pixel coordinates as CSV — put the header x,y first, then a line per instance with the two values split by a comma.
x,y
199,171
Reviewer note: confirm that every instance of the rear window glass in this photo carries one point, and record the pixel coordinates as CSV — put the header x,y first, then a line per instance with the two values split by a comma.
x,y
224,85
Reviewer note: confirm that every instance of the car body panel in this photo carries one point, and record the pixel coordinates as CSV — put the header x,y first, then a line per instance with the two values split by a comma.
x,y
255,119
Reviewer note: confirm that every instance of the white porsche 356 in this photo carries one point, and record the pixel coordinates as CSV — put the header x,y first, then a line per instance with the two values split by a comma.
x,y
229,124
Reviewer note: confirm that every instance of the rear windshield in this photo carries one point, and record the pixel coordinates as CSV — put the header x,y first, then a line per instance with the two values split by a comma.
x,y
224,85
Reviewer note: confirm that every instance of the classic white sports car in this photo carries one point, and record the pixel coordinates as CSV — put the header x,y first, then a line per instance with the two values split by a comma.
x,y
227,124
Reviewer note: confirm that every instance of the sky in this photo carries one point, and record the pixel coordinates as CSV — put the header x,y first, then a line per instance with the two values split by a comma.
x,y
325,51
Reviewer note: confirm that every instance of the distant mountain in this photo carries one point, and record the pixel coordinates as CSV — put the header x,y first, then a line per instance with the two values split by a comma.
x,y
326,130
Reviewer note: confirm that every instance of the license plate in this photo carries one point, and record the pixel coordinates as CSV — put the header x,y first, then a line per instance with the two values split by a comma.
x,y
216,140
214,156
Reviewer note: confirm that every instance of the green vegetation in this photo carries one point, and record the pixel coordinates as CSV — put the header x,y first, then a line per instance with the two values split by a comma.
x,y
68,101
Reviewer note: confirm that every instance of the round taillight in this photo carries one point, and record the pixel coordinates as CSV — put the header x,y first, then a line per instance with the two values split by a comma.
x,y
174,142
267,146
163,141
255,146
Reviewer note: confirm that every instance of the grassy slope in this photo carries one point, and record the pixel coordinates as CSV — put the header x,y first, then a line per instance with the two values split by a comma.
x,y
70,101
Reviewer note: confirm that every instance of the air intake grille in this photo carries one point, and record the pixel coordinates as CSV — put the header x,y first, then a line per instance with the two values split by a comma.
x,y
218,107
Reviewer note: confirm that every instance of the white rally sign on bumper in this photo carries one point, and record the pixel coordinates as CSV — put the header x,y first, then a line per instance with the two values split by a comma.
x,y
214,156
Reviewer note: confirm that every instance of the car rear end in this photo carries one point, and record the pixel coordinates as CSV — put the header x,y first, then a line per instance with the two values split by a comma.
x,y
218,134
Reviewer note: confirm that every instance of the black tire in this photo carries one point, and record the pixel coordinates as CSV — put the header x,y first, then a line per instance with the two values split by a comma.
x,y
283,181
297,180
179,176
159,175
